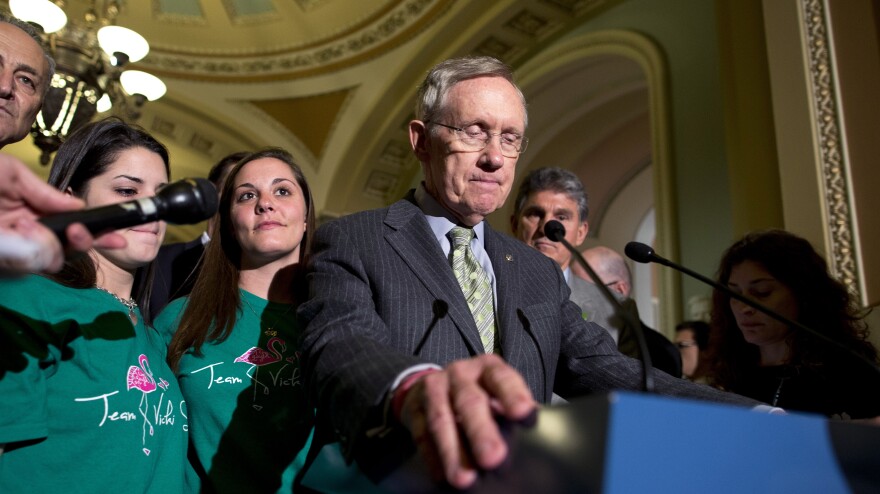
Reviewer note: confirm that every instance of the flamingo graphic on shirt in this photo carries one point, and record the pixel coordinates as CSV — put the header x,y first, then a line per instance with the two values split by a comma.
x,y
141,377
258,357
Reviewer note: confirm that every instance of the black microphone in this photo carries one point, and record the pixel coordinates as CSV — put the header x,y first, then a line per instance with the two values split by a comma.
x,y
556,232
440,308
644,254
184,202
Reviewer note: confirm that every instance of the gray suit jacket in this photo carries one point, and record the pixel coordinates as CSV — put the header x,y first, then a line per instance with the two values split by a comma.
x,y
594,307
384,298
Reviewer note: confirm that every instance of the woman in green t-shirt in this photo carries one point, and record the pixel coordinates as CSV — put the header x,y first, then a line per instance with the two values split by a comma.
x,y
233,340
89,404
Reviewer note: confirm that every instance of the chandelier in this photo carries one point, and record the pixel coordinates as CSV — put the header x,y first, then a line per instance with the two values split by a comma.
x,y
90,76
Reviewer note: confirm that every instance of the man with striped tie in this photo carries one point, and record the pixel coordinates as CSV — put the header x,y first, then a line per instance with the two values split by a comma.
x,y
424,322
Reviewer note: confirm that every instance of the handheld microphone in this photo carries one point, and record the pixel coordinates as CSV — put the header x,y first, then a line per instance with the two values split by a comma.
x,y
644,254
556,232
184,202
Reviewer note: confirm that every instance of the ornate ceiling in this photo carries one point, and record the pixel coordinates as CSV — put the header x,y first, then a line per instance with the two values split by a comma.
x,y
332,81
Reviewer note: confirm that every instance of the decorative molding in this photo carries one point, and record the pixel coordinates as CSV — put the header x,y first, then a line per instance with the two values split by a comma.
x,y
576,7
164,127
495,47
381,185
177,18
644,51
302,152
307,5
529,23
396,154
395,23
242,19
830,145
201,143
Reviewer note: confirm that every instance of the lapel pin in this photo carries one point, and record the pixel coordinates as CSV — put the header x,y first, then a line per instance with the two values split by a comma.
x,y
508,257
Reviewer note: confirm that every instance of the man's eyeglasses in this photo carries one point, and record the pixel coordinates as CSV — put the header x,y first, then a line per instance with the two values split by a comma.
x,y
475,138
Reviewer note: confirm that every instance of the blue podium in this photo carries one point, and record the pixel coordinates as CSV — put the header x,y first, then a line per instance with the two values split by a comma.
x,y
624,443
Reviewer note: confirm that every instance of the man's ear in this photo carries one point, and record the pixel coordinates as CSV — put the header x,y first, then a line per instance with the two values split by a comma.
x,y
514,224
418,140
582,230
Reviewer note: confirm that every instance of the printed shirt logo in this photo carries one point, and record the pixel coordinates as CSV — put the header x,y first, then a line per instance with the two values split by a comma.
x,y
283,370
140,377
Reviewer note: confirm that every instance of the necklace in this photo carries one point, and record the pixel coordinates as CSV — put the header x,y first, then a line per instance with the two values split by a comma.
x,y
128,303
270,331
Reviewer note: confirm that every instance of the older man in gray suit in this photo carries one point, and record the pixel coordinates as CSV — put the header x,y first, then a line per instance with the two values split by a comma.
x,y
425,322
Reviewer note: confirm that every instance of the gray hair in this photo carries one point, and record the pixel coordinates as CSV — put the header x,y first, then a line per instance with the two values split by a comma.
x,y
556,180
33,33
432,92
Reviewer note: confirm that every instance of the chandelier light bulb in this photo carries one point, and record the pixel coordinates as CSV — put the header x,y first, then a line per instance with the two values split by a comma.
x,y
138,82
104,103
43,12
120,39
88,71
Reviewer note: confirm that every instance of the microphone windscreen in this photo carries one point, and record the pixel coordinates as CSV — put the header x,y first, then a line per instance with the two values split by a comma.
x,y
554,230
639,252
189,201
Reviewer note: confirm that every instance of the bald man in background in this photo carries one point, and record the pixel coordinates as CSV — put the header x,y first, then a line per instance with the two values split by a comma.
x,y
613,272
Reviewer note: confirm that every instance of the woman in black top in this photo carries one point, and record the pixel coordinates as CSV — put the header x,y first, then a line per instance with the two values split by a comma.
x,y
755,355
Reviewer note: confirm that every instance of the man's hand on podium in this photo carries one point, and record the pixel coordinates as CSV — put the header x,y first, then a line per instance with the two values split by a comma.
x,y
451,413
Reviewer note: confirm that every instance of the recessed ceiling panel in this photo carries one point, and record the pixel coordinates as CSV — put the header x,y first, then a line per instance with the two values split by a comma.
x,y
311,119
180,7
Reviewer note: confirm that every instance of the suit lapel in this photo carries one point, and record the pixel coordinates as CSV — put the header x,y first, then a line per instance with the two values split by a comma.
x,y
507,282
520,346
409,235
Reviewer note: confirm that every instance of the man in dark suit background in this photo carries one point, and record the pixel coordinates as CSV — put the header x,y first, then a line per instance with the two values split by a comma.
x,y
555,194
391,344
177,264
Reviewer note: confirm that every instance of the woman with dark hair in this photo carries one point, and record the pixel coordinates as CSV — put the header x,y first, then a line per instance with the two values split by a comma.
x,y
757,356
84,379
92,154
233,340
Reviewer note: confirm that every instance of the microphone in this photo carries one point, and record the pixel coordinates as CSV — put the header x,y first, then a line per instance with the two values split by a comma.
x,y
184,202
440,308
556,232
644,254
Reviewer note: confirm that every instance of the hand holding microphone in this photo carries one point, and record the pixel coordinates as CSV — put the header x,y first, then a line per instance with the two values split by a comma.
x,y
26,246
186,201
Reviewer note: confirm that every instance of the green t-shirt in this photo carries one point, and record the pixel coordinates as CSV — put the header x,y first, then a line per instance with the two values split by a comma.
x,y
250,423
89,404
250,426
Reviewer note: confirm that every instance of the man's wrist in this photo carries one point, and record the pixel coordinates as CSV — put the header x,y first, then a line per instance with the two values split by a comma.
x,y
399,395
388,415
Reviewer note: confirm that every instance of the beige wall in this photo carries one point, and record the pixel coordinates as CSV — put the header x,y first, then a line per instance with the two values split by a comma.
x,y
857,59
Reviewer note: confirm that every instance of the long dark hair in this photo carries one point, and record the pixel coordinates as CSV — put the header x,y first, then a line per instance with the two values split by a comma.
x,y
87,153
822,302
213,306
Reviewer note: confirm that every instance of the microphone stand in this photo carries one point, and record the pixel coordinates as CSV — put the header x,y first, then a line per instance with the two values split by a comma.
x,y
556,232
644,254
